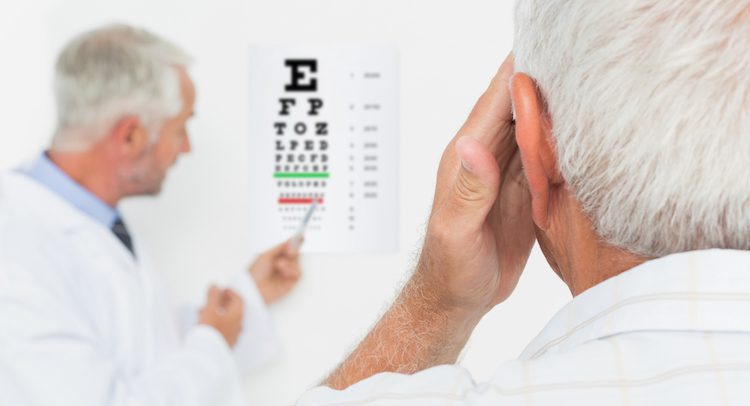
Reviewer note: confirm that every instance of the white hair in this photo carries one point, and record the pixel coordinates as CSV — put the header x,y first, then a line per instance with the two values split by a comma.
x,y
110,73
650,106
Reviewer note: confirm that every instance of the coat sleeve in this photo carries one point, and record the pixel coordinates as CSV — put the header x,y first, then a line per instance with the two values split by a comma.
x,y
258,343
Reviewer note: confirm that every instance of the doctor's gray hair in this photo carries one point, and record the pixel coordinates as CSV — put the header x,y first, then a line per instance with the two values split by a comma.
x,y
112,72
650,106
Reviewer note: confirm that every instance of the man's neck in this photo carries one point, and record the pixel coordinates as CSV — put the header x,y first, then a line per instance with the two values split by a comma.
x,y
90,171
590,269
584,259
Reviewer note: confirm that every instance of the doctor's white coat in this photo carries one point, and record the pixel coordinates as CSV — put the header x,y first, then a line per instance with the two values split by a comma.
x,y
83,323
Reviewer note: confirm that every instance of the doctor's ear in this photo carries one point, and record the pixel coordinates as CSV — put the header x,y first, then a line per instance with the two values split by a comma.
x,y
533,135
130,137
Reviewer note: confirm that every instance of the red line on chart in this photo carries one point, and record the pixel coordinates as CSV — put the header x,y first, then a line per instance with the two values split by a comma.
x,y
287,200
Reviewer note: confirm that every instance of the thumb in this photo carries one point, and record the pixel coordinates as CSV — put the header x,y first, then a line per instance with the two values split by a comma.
x,y
232,301
213,298
287,268
277,250
476,185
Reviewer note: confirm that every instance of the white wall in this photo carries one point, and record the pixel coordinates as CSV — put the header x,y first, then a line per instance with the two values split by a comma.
x,y
449,51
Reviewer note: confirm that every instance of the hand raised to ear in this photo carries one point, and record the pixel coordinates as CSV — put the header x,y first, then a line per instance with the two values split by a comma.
x,y
478,239
480,232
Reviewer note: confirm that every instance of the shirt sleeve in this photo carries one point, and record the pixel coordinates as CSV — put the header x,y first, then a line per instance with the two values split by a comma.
x,y
258,343
52,355
440,385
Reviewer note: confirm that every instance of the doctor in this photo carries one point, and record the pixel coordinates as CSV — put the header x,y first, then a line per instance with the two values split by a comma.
x,y
84,319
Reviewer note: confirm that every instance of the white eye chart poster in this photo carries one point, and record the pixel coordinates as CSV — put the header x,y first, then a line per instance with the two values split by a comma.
x,y
324,129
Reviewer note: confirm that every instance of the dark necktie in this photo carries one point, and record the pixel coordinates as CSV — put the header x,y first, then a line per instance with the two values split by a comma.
x,y
122,234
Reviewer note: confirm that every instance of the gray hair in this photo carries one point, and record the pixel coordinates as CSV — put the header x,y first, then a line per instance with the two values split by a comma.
x,y
112,72
650,104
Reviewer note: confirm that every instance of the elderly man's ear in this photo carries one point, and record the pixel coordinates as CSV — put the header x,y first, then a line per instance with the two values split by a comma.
x,y
533,135
130,137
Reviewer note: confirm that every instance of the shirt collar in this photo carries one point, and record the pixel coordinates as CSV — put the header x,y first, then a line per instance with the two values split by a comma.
x,y
705,290
44,171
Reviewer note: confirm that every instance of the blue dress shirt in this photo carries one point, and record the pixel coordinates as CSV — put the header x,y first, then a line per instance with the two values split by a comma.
x,y
44,171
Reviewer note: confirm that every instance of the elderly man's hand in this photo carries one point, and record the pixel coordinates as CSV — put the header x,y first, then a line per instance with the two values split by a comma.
x,y
276,271
480,232
478,239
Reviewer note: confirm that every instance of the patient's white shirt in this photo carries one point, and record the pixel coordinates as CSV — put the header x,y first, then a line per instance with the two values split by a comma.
x,y
672,331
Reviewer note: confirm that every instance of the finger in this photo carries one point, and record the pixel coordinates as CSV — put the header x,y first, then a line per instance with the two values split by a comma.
x,y
234,304
514,171
475,187
225,297
493,111
285,248
231,296
213,297
288,269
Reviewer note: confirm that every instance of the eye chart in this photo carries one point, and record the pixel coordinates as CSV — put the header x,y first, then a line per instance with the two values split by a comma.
x,y
324,129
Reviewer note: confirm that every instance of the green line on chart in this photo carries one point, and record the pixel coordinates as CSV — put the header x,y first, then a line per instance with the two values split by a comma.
x,y
304,175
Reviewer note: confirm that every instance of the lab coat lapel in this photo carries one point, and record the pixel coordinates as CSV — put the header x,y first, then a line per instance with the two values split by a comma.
x,y
90,237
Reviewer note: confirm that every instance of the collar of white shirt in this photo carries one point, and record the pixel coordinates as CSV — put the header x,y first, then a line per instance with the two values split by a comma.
x,y
690,291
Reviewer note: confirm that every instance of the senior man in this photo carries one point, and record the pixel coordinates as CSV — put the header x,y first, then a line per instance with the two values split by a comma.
x,y
627,162
84,318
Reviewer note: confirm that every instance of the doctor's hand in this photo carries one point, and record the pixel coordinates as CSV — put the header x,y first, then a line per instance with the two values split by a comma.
x,y
276,271
223,311
480,232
